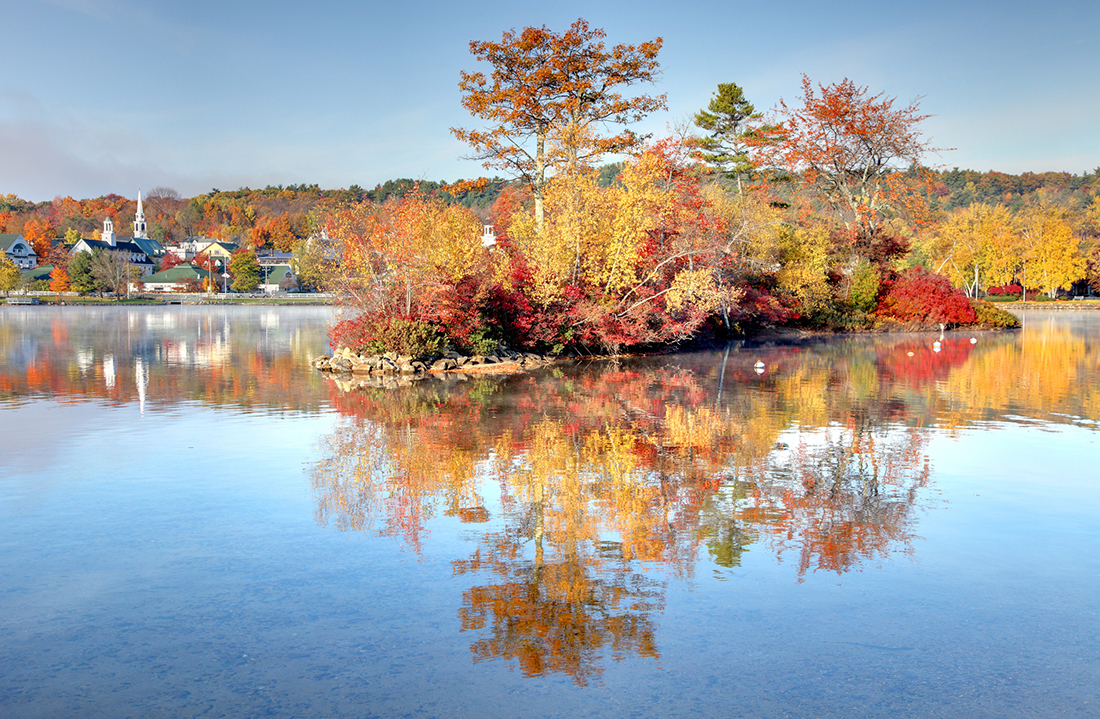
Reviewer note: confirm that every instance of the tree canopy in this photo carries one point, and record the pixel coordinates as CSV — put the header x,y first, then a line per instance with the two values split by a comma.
x,y
849,147
546,96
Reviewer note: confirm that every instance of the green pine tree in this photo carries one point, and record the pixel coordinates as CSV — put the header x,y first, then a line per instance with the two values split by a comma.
x,y
724,121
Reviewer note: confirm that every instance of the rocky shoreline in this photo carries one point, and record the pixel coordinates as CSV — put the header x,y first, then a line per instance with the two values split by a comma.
x,y
392,369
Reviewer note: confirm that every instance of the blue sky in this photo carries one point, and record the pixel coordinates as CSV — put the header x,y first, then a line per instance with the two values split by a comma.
x,y
104,96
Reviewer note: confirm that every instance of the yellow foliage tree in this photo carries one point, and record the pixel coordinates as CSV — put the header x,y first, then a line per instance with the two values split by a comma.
x,y
397,252
975,241
1050,253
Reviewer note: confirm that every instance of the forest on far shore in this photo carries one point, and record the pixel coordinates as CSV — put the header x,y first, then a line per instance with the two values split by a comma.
x,y
276,216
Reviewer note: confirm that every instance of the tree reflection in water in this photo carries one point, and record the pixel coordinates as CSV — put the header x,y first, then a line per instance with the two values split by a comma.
x,y
598,486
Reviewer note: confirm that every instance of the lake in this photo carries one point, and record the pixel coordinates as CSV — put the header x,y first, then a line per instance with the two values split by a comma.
x,y
193,522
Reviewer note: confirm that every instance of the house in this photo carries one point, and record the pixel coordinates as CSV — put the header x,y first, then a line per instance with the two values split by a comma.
x,y
219,251
274,258
142,252
19,251
272,276
190,246
175,279
152,249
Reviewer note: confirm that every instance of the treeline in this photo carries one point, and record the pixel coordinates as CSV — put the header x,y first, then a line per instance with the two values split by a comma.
x,y
961,188
274,217
233,215
230,215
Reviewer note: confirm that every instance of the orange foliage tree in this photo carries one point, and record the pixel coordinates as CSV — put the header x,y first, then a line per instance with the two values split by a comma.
x,y
849,148
550,91
275,232
59,280
40,234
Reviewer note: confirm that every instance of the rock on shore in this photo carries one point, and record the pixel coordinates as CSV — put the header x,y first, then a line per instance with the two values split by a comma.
x,y
345,361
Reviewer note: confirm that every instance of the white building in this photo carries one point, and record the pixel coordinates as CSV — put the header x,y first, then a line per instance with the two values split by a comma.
x,y
19,251
143,253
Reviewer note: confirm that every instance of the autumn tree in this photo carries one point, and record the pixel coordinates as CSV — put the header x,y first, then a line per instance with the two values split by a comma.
x,y
162,193
973,244
724,120
40,234
275,232
112,270
59,280
315,263
850,148
547,97
245,270
170,260
636,262
10,274
1050,253
411,263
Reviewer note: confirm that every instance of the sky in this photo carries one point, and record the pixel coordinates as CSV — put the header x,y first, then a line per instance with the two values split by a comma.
x,y
111,96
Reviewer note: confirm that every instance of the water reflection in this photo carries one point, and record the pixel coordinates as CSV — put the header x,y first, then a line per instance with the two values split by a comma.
x,y
238,356
584,491
592,490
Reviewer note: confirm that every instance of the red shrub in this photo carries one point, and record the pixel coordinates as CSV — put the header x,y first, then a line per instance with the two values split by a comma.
x,y
923,298
1012,289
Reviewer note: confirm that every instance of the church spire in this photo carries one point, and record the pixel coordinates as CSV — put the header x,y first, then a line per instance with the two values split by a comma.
x,y
108,235
139,221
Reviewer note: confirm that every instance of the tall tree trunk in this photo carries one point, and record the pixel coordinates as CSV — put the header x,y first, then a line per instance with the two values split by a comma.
x,y
540,178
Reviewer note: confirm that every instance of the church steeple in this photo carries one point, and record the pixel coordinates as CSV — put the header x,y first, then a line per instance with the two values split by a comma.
x,y
139,221
108,235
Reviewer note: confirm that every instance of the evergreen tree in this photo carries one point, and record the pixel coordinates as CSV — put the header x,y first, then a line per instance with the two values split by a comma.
x,y
81,278
724,118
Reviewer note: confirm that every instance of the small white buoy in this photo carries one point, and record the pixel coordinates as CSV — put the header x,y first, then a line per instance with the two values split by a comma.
x,y
936,346
759,367
973,340
910,354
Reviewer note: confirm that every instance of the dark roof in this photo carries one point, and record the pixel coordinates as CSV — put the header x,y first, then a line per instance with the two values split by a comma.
x,y
120,245
274,258
149,246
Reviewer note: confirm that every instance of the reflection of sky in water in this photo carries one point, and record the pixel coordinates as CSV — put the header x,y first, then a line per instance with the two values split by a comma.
x,y
168,562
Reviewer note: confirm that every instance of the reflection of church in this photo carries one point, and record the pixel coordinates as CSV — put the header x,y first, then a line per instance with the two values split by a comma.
x,y
142,252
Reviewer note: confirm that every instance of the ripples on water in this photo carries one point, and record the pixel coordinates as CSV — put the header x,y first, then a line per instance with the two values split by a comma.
x,y
866,527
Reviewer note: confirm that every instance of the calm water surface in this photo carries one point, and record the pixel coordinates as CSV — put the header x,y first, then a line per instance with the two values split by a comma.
x,y
194,523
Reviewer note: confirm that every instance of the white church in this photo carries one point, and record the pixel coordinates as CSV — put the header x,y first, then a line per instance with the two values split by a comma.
x,y
144,253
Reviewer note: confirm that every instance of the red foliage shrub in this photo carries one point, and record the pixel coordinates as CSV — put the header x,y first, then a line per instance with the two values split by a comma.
x,y
170,260
1012,289
758,305
921,297
375,333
